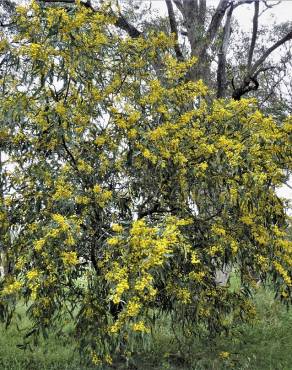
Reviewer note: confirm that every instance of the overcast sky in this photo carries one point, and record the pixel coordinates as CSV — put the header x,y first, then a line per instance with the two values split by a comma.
x,y
279,13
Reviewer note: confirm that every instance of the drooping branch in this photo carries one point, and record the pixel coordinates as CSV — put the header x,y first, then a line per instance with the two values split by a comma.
x,y
173,28
221,70
254,33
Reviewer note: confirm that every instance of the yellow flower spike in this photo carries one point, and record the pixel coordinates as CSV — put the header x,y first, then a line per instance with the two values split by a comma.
x,y
195,258
140,327
32,274
39,244
61,221
12,288
97,189
117,228
69,258
133,307
113,241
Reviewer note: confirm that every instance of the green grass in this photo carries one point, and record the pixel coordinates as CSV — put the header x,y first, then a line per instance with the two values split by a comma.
x,y
264,345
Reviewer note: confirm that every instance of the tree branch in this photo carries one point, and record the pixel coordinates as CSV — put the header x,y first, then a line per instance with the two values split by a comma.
x,y
179,5
121,21
173,29
191,5
254,33
221,71
216,20
202,11
251,77
280,42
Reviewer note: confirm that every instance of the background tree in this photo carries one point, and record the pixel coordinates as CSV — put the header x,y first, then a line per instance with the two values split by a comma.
x,y
209,31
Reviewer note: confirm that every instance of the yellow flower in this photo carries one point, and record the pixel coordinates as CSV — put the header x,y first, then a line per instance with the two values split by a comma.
x,y
39,244
197,276
35,50
224,355
184,295
12,288
97,189
117,228
32,274
61,221
218,230
100,140
70,258
95,359
120,288
248,219
60,109
140,326
133,307
84,167
143,282
203,166
113,241
108,359
195,259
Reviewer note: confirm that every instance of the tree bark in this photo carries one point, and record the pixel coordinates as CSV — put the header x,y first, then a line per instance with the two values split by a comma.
x,y
221,70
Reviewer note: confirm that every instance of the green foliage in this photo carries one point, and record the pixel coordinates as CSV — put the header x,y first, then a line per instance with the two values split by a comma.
x,y
142,175
263,344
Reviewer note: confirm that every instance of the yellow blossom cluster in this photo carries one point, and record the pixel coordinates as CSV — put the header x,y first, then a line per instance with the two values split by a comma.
x,y
152,182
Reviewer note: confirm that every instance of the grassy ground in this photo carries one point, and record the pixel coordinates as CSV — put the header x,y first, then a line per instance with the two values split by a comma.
x,y
265,345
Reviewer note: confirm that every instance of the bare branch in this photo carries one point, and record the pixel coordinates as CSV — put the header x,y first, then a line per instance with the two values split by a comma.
x,y
241,2
248,84
250,81
179,5
191,5
7,24
268,6
173,28
254,33
221,71
217,19
260,61
122,23
202,11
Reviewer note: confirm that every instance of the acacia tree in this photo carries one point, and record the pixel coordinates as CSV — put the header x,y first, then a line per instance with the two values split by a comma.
x,y
121,159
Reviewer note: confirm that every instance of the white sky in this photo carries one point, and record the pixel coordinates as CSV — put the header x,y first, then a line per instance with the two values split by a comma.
x,y
279,13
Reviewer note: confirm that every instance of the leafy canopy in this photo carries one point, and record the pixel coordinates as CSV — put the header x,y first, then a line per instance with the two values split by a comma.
x,y
149,178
